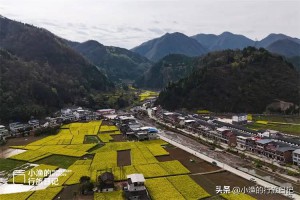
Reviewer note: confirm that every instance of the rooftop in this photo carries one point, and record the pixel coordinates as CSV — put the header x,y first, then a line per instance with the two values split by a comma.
x,y
242,137
189,120
297,151
283,149
136,178
168,113
264,141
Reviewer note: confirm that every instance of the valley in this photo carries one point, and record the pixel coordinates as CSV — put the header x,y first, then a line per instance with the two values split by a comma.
x,y
149,100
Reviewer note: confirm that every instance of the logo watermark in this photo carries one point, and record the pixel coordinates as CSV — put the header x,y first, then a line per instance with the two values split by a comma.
x,y
38,176
254,190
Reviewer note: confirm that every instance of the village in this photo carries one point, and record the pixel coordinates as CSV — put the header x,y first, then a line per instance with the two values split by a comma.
x,y
281,148
132,140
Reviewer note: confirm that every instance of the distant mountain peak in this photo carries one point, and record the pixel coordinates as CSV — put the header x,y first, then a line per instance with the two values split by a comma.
x,y
225,40
93,42
170,43
225,33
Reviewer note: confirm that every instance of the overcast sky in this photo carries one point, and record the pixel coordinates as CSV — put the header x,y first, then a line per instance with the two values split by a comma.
x,y
127,23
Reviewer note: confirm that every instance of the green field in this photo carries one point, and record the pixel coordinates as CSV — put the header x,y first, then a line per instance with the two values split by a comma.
x,y
8,164
148,95
285,128
58,160
277,118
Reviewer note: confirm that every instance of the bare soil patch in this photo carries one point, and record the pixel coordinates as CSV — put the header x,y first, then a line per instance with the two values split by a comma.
x,y
19,141
73,192
123,158
191,162
118,138
210,181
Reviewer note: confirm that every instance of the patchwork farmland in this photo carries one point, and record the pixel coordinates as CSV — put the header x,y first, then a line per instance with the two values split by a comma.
x,y
170,172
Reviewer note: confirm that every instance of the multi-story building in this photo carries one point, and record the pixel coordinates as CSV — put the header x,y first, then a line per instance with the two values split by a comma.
x,y
3,131
296,157
239,119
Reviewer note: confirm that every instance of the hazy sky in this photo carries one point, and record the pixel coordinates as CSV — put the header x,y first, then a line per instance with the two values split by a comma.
x,y
127,23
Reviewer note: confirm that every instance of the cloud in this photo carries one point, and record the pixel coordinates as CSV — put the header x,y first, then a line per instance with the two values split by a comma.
x,y
82,32
133,22
156,30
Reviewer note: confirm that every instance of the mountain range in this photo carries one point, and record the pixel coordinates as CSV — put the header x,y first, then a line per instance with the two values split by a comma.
x,y
40,73
178,43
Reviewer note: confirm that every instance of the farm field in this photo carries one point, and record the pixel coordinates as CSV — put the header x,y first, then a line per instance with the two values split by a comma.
x,y
148,95
175,187
242,196
285,124
277,118
58,160
8,164
116,195
160,163
285,128
210,181
49,193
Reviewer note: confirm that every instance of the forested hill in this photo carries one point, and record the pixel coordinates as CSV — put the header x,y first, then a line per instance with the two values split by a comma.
x,y
245,80
39,72
169,69
118,63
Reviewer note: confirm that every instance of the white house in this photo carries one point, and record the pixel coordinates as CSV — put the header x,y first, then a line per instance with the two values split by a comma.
x,y
3,131
136,182
296,157
239,119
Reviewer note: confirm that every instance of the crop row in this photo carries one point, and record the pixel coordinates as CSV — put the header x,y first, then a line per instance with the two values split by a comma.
x,y
142,156
174,167
105,137
104,160
77,172
62,179
162,189
175,187
16,196
81,147
31,155
62,150
119,146
108,128
187,187
83,162
152,170
238,196
157,150
116,195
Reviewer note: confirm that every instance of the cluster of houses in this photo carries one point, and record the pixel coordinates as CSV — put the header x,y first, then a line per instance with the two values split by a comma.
x,y
269,143
64,116
134,187
131,128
